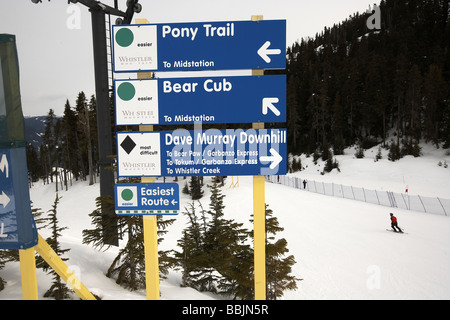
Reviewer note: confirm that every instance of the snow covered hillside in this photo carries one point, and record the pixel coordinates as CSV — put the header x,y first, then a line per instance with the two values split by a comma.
x,y
341,246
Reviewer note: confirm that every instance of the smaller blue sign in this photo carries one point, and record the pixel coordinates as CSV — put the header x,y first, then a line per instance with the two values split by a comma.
x,y
147,198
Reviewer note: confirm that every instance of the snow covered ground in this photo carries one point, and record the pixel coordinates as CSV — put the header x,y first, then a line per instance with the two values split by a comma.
x,y
341,246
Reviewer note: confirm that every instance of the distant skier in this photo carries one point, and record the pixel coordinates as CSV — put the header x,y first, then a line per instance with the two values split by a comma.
x,y
304,184
394,224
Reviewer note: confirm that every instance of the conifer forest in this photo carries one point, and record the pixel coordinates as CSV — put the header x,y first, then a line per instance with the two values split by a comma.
x,y
355,85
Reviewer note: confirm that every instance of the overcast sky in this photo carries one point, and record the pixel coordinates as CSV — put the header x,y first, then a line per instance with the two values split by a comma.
x,y
54,39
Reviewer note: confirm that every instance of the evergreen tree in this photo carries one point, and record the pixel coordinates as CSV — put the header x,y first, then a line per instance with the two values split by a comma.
x,y
394,152
58,152
58,289
359,151
292,112
226,248
412,103
192,258
83,141
278,267
84,124
215,256
92,106
436,91
49,145
185,189
165,260
446,127
2,265
70,128
128,267
96,236
34,166
195,188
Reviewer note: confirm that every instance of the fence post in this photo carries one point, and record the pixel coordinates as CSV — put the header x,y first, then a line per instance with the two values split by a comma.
x,y
442,206
422,204
394,200
376,193
404,201
364,193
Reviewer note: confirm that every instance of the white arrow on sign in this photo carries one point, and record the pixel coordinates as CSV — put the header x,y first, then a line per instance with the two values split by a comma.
x,y
275,158
4,165
2,229
268,104
264,52
174,202
4,199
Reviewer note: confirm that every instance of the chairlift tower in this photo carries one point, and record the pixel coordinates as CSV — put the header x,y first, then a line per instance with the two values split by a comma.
x,y
99,11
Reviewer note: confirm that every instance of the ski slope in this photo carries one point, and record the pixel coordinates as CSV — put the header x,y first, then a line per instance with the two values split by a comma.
x,y
341,246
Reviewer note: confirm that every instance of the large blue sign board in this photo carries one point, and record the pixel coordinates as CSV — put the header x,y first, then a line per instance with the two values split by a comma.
x,y
202,153
200,46
17,227
206,100
147,198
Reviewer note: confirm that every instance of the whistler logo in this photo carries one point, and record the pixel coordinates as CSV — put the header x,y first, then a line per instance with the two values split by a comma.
x,y
130,59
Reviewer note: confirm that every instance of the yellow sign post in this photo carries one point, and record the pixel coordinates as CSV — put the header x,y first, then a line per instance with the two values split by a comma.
x,y
28,274
57,264
150,224
28,271
259,217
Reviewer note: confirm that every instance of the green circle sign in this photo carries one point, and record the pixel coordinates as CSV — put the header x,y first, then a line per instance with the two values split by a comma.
x,y
124,37
126,91
127,195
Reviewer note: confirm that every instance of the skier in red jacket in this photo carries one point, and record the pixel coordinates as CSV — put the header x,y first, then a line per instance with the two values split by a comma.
x,y
394,224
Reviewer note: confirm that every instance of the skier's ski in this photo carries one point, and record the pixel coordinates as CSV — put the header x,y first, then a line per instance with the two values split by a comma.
x,y
396,231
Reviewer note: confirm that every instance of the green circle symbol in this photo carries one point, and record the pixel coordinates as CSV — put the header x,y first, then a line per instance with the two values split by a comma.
x,y
124,37
126,91
127,194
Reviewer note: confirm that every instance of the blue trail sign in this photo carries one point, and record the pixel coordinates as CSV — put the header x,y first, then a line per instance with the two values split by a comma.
x,y
202,153
200,46
147,198
206,100
17,226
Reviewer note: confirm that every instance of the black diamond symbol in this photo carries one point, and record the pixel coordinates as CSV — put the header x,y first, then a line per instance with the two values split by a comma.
x,y
128,144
